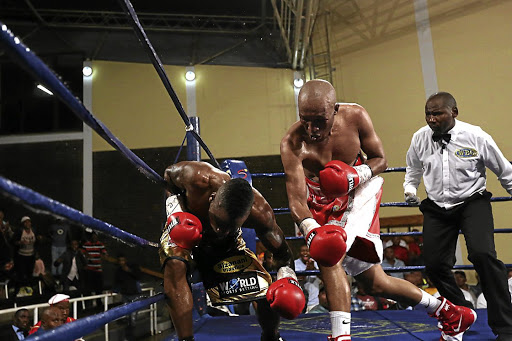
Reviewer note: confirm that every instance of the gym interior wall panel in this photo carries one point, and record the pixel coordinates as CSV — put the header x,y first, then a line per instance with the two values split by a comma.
x,y
130,99
47,168
473,55
386,79
244,111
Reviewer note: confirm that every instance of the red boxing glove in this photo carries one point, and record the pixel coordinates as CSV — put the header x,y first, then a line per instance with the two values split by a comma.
x,y
185,229
285,295
327,244
338,179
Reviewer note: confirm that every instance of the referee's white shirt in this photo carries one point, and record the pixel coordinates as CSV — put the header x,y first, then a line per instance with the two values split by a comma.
x,y
456,172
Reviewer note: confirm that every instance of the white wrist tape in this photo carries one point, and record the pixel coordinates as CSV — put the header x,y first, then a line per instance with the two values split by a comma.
x,y
172,205
286,271
307,225
364,172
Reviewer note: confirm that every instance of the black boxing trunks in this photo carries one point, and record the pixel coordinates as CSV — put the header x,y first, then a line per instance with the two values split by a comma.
x,y
231,272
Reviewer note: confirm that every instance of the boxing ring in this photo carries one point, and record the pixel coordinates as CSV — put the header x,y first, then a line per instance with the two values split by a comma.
x,y
381,325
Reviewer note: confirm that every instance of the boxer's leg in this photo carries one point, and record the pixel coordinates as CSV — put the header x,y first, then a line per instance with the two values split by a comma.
x,y
377,282
338,293
179,297
269,321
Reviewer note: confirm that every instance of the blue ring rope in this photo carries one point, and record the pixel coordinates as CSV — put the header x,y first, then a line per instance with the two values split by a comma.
x,y
395,234
284,210
179,150
86,325
388,269
155,60
39,202
39,70
281,174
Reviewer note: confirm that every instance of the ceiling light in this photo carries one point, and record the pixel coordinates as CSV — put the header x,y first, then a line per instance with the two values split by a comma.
x,y
190,75
42,88
298,83
87,71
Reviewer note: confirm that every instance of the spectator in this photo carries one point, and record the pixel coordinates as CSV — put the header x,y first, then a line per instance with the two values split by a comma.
x,y
6,261
19,328
416,278
94,250
51,318
481,302
356,304
371,302
61,302
268,261
73,264
460,279
311,284
431,288
390,261
400,248
414,248
323,304
60,237
5,227
39,268
476,289
127,284
25,240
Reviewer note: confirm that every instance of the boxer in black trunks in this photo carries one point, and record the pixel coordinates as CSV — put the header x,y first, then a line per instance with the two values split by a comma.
x,y
205,210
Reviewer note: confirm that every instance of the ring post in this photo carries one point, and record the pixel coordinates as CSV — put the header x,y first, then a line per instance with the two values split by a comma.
x,y
193,147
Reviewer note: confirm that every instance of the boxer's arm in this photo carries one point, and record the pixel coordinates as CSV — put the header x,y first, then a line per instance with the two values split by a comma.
x,y
263,220
370,142
192,178
295,181
173,175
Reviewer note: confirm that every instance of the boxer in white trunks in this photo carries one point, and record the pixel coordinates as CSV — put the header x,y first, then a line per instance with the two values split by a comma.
x,y
334,197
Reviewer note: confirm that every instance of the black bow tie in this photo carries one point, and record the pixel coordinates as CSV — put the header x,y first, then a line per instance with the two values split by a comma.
x,y
439,137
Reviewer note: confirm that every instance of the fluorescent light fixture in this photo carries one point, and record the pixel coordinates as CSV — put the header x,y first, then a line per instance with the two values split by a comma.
x,y
42,88
87,71
190,76
298,83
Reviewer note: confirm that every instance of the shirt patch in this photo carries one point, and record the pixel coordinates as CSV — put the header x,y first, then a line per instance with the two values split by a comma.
x,y
465,153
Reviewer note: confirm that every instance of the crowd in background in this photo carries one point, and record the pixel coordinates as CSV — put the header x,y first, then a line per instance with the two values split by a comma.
x,y
75,269
75,264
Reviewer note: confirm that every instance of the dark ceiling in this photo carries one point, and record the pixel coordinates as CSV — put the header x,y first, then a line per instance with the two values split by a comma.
x,y
65,33
191,32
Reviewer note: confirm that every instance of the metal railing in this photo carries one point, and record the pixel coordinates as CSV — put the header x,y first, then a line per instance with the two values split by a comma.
x,y
152,310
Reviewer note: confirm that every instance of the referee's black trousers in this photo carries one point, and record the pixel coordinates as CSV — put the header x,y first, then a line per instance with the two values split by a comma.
x,y
440,233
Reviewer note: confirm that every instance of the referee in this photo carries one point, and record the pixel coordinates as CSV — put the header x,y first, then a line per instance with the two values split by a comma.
x,y
452,156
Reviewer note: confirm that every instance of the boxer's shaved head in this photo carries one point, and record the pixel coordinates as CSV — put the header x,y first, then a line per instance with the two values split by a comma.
x,y
316,93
